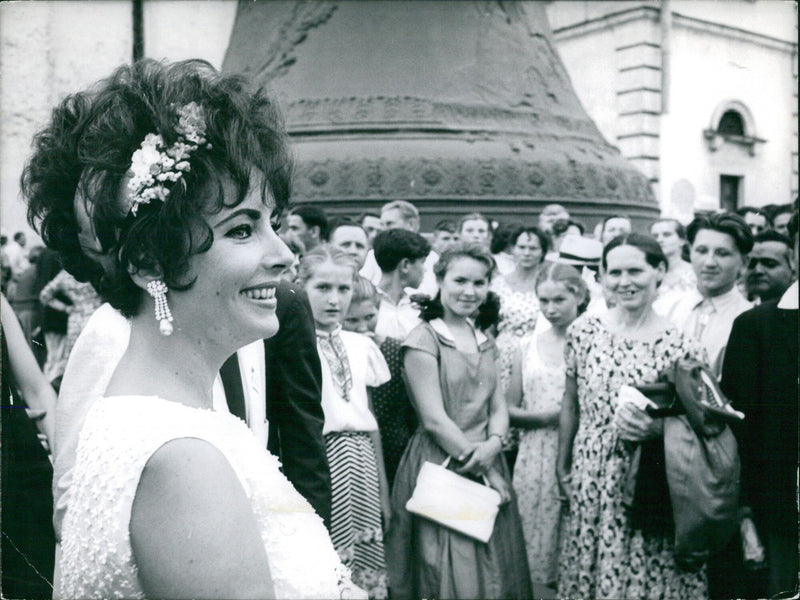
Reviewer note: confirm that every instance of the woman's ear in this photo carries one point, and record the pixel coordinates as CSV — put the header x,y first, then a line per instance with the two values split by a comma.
x,y
141,277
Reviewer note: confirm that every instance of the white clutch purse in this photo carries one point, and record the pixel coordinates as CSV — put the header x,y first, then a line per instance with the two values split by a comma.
x,y
454,501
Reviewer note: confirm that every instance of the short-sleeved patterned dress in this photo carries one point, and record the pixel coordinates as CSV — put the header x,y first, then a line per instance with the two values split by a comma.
x,y
431,561
518,314
393,411
601,555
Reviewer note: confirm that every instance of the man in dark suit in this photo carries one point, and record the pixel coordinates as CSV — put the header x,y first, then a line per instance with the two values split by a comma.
x,y
760,377
294,409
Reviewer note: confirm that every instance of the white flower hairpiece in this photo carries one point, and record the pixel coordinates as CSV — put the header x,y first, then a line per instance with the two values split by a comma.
x,y
153,165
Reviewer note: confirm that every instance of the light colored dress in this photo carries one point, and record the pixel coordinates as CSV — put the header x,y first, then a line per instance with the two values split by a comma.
x,y
119,436
535,470
84,302
602,556
428,560
518,314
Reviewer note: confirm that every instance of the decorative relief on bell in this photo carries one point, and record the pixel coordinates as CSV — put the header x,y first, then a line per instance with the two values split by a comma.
x,y
455,106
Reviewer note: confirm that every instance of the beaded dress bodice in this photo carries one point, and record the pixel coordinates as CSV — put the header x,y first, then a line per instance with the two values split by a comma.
x,y
119,436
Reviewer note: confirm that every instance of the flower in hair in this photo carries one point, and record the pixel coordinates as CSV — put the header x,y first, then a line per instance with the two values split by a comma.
x,y
154,165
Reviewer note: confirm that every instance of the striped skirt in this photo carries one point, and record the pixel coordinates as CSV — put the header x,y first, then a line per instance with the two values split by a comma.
x,y
356,528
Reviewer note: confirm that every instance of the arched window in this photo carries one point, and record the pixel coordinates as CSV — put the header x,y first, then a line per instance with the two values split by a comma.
x,y
731,123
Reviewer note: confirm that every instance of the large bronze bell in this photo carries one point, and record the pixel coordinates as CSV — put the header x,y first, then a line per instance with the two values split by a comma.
x,y
454,106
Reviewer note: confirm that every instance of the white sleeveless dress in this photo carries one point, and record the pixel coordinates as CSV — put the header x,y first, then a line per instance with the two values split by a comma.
x,y
535,470
119,436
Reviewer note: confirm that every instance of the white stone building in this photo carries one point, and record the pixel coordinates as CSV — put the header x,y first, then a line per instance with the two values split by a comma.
x,y
701,95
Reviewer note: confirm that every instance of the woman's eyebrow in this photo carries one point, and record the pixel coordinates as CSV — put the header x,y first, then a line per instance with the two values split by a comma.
x,y
252,213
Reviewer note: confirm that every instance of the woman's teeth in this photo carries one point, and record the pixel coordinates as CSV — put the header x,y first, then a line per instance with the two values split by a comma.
x,y
260,293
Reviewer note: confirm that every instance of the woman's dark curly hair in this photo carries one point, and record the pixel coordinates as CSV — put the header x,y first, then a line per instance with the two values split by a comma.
x,y
86,150
488,312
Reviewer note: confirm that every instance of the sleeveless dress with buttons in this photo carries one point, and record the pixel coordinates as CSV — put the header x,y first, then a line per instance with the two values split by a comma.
x,y
119,436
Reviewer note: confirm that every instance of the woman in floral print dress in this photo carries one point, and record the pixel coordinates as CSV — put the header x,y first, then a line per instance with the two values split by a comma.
x,y
602,555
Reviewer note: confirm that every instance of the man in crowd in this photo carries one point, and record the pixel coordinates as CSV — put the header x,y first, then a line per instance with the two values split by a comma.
x,y
584,254
781,218
760,377
400,215
719,246
371,224
550,214
401,257
613,226
757,220
444,235
770,268
309,224
404,215
350,237
293,394
560,229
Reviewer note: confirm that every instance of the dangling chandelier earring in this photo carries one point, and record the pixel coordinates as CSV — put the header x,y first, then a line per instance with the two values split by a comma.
x,y
158,290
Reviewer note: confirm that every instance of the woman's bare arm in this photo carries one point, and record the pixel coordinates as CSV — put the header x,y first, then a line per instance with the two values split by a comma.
x,y
193,531
37,392
567,428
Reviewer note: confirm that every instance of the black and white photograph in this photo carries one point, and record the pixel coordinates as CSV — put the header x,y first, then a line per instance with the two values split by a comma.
x,y
399,299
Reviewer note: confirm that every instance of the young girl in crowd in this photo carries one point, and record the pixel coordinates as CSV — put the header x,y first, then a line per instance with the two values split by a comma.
x,y
394,412
451,375
534,404
350,362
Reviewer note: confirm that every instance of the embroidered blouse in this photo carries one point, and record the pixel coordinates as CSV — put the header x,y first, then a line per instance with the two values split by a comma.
x,y
367,368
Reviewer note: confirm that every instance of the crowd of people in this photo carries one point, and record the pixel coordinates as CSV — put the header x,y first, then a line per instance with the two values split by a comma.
x,y
241,394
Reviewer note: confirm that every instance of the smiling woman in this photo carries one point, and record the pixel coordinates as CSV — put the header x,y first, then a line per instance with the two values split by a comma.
x,y
160,186
463,415
628,345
